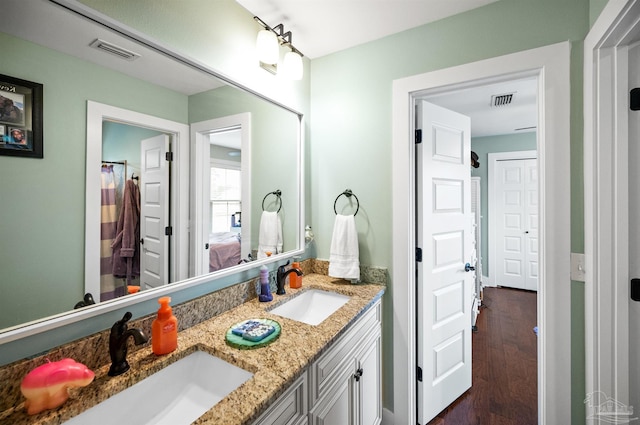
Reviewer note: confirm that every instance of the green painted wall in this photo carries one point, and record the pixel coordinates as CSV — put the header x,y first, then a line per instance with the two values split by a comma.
x,y
42,200
351,120
122,141
483,146
595,8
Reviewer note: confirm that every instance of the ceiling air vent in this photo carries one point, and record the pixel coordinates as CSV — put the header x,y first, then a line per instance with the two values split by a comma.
x,y
114,50
501,99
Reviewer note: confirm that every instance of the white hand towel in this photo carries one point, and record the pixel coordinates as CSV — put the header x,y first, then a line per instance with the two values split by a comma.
x,y
270,235
344,257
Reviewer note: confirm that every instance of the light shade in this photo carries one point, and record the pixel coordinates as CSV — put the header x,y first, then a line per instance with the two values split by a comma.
x,y
268,47
292,66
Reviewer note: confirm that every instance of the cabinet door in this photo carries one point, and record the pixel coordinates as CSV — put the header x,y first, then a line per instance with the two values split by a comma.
x,y
370,409
336,408
290,408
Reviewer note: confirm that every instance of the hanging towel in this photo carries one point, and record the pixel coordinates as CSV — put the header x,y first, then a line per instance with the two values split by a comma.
x,y
344,257
270,235
126,245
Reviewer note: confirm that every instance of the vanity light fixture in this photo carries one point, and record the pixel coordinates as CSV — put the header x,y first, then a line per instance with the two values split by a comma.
x,y
268,47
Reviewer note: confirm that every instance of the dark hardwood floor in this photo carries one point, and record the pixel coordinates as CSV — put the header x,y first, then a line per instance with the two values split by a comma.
x,y
504,389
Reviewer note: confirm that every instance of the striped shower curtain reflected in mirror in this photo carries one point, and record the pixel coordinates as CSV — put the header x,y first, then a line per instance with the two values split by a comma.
x,y
111,179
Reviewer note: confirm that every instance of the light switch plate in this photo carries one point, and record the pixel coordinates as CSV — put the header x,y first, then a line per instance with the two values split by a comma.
x,y
577,267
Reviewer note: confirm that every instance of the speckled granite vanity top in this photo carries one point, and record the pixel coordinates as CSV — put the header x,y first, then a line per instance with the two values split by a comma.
x,y
274,366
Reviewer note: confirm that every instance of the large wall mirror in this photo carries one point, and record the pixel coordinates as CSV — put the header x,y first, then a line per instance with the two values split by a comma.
x,y
123,114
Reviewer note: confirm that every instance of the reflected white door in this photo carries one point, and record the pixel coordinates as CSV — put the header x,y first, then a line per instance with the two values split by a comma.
x,y
154,212
516,209
445,289
634,233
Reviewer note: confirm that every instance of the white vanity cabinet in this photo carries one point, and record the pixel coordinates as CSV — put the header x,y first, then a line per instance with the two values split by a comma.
x,y
290,408
345,381
343,384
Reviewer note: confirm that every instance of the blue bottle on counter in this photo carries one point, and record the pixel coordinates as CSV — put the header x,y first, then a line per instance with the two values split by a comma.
x,y
265,290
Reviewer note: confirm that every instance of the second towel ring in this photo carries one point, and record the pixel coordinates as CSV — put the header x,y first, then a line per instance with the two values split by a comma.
x,y
275,192
348,193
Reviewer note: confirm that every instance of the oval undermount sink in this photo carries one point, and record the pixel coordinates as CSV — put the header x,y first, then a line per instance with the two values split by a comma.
x,y
178,394
312,306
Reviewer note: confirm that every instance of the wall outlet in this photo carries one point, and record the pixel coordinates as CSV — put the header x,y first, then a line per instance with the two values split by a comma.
x,y
577,267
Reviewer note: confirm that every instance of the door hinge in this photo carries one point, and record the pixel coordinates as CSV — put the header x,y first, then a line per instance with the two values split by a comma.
x,y
419,255
419,374
169,156
635,289
168,231
634,99
418,136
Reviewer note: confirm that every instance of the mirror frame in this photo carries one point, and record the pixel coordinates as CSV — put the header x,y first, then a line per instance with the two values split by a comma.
x,y
244,272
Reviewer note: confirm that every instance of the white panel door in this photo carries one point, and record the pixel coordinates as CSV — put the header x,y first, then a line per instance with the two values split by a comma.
x,y
445,236
516,187
154,212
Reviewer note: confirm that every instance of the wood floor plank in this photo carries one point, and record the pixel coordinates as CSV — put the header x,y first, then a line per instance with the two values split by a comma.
x,y
504,389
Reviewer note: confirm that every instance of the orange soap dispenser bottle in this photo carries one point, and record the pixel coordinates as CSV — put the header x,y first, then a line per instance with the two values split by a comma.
x,y
164,329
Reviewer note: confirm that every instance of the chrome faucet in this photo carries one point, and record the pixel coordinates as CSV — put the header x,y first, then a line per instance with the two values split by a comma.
x,y
118,344
281,275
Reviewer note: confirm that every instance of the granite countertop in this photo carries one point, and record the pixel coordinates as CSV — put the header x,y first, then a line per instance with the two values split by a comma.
x,y
274,367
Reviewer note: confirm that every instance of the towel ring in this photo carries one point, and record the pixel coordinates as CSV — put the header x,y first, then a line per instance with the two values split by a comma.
x,y
348,193
277,193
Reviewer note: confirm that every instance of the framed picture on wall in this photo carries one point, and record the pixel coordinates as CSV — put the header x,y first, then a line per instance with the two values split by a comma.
x,y
20,117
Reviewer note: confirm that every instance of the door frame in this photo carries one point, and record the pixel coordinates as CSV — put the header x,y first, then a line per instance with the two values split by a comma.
x,y
179,208
606,186
550,64
200,139
492,160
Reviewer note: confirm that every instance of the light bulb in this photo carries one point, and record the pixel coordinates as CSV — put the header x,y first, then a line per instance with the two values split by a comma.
x,y
267,47
292,66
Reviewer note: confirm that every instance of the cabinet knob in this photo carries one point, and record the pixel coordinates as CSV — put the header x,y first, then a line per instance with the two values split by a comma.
x,y
358,374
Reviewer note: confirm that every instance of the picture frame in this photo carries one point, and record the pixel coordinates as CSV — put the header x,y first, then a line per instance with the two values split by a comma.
x,y
20,117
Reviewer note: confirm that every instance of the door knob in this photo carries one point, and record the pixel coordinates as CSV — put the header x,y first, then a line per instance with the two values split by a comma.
x,y
468,267
358,375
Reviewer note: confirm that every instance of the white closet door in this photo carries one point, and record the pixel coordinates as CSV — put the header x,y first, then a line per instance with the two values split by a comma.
x,y
154,212
516,212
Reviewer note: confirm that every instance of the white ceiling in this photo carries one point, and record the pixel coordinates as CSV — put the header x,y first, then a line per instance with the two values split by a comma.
x,y
321,27
520,116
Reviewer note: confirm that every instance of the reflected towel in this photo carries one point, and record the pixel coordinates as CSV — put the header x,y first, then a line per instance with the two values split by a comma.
x,y
344,257
270,235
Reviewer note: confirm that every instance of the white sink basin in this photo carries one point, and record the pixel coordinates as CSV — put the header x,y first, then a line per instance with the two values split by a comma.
x,y
178,394
312,306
